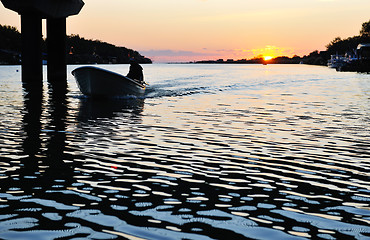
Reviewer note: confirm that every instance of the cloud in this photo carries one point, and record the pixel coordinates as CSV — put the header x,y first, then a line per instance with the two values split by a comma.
x,y
167,55
270,50
171,53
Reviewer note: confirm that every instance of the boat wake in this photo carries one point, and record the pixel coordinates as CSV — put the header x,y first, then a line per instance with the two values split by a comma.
x,y
158,91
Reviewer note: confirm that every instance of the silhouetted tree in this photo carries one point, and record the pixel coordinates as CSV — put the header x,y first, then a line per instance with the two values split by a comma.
x,y
81,50
334,41
349,45
365,30
10,38
10,45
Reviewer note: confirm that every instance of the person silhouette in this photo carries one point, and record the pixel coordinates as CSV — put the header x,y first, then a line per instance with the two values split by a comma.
x,y
135,71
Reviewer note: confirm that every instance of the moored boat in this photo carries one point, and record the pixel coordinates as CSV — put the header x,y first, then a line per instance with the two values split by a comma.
x,y
336,61
98,82
359,64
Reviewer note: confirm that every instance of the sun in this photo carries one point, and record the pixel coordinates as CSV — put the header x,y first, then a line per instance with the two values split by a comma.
x,y
266,58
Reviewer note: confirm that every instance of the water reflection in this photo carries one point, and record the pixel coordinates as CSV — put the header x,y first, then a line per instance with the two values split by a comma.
x,y
38,167
92,109
199,166
55,128
33,104
44,125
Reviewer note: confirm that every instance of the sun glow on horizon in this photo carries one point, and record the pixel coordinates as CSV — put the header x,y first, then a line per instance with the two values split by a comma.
x,y
267,58
270,52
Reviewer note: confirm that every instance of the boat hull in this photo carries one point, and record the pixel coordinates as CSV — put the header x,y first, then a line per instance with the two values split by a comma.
x,y
97,82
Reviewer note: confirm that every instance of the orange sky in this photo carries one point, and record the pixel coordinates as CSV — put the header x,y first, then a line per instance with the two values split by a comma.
x,y
187,30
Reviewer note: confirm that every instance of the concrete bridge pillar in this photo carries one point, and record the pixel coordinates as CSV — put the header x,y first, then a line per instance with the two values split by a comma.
x,y
31,28
56,43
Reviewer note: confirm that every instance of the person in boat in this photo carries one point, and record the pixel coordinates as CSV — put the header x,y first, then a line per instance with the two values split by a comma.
x,y
136,71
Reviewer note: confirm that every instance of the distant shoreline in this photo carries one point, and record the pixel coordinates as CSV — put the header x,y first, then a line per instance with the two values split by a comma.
x,y
312,59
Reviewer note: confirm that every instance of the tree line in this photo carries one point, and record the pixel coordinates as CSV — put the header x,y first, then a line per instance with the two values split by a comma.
x,y
78,49
343,47
339,46
348,45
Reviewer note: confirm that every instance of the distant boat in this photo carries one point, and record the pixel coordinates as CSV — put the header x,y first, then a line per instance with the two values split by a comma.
x,y
336,61
98,82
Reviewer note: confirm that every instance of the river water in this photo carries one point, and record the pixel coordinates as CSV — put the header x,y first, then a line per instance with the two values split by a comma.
x,y
210,152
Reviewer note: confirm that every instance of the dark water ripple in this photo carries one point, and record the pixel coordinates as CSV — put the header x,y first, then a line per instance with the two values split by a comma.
x,y
286,158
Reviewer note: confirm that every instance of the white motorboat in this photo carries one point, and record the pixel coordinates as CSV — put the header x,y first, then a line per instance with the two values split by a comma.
x,y
98,82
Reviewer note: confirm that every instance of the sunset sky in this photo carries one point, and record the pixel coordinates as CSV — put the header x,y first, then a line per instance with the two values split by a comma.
x,y
187,30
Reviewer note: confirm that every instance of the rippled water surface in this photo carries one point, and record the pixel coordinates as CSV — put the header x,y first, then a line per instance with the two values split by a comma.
x,y
210,152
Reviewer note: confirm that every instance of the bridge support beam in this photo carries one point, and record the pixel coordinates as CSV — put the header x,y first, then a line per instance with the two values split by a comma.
x,y
31,28
56,44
